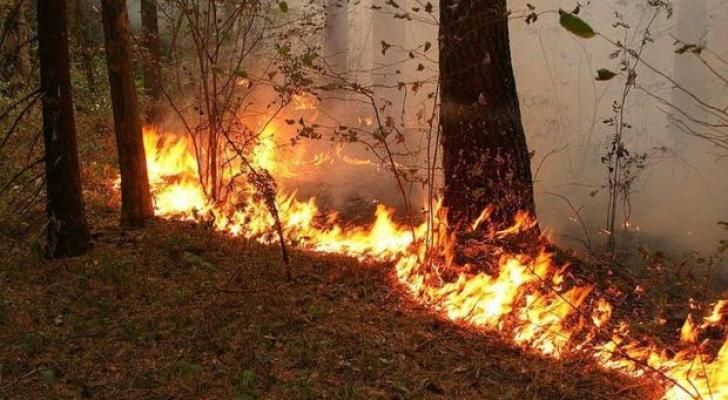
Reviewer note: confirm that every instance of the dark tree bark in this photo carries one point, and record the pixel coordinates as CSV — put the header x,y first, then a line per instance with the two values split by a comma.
x,y
485,156
85,44
15,48
67,231
151,58
136,200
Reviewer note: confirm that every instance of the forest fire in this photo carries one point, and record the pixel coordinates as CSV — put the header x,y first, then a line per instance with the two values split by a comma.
x,y
419,144
529,300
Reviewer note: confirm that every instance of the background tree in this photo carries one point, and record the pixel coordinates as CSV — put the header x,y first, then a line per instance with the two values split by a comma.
x,y
67,230
152,57
136,200
15,45
485,156
85,43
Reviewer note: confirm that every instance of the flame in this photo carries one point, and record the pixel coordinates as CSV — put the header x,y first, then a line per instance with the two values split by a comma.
x,y
527,299
688,333
339,151
716,316
487,211
523,222
305,101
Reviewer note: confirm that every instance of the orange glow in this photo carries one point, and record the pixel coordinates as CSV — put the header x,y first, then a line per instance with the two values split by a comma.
x,y
481,218
529,299
305,101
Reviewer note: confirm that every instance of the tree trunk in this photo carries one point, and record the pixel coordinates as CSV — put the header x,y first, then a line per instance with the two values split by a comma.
x,y
86,45
136,200
485,156
24,43
15,48
151,58
67,231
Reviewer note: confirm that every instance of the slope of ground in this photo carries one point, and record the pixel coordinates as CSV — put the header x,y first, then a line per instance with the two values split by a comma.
x,y
177,312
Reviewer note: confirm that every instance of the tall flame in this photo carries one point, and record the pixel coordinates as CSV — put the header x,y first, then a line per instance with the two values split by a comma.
x,y
527,299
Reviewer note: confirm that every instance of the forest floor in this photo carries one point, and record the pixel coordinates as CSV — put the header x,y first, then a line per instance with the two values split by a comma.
x,y
177,312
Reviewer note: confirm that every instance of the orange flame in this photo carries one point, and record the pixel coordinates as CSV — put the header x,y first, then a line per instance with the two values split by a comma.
x,y
527,300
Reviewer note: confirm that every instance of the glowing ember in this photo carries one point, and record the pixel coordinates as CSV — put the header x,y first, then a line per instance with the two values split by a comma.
x,y
527,301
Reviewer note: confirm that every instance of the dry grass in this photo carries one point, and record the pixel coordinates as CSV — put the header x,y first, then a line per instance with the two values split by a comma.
x,y
176,312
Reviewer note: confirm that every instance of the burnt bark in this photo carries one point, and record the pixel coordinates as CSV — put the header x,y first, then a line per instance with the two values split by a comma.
x,y
151,58
136,200
67,230
485,156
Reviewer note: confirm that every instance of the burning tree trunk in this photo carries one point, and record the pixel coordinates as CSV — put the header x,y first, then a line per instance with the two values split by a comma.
x,y
68,233
136,200
485,156
152,57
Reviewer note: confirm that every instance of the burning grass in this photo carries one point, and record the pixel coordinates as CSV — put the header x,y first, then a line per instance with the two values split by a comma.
x,y
179,309
523,294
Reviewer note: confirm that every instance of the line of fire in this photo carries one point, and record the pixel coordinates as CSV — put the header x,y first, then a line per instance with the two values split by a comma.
x,y
403,199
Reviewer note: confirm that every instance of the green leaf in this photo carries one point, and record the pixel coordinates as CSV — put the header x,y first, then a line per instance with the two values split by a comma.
x,y
576,25
604,74
284,6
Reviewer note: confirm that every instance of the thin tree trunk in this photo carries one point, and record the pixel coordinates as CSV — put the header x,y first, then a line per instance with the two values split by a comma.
x,y
67,231
136,200
24,43
174,51
86,45
15,48
485,156
152,58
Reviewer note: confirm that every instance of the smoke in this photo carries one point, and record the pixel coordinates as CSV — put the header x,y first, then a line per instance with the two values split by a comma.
x,y
677,199
679,196
682,193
